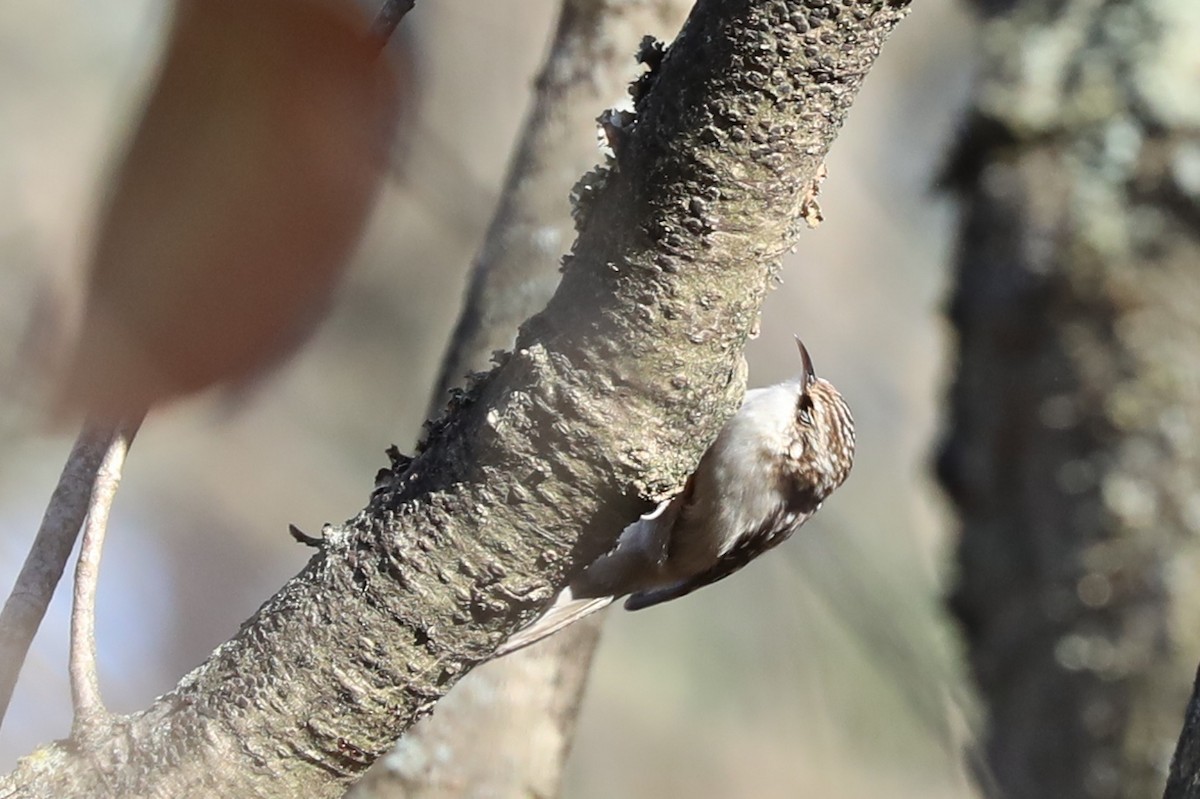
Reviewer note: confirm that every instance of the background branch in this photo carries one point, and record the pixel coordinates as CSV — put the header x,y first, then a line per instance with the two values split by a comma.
x,y
85,680
43,567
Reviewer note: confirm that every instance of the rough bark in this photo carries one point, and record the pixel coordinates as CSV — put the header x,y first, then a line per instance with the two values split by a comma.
x,y
506,729
608,399
1073,453
589,66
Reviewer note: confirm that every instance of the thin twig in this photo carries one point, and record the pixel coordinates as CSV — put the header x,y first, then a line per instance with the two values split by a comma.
x,y
43,567
85,685
388,18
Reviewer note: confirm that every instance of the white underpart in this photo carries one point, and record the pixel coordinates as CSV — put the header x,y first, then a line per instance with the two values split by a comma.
x,y
743,461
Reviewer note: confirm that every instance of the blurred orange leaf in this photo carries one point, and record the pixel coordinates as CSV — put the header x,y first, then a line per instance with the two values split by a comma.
x,y
241,195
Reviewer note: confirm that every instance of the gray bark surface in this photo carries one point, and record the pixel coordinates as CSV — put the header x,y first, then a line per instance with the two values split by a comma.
x,y
506,728
1073,453
608,400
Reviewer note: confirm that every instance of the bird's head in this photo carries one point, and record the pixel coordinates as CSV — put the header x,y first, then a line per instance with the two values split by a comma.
x,y
823,450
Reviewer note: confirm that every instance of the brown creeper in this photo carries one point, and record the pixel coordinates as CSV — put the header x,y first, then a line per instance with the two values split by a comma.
x,y
768,471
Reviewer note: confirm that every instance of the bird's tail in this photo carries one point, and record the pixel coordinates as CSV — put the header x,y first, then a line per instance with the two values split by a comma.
x,y
565,611
640,552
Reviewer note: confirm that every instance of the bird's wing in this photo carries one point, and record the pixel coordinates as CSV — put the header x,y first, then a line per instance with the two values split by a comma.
x,y
745,550
650,534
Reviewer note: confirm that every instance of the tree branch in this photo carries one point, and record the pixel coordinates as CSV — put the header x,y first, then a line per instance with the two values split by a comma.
x,y
43,567
590,64
506,729
609,398
85,681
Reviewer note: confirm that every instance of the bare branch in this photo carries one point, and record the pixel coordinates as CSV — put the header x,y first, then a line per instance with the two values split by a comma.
x,y
85,684
43,568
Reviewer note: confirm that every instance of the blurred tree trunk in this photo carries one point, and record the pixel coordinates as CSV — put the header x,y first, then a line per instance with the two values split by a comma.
x,y
1073,453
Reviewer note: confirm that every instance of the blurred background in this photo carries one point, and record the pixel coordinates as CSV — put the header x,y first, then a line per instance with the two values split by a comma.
x,y
827,669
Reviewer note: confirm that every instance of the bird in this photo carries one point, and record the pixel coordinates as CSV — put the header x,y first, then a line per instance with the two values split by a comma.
x,y
767,472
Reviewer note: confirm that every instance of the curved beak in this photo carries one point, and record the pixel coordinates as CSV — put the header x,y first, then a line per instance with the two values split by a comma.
x,y
807,375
